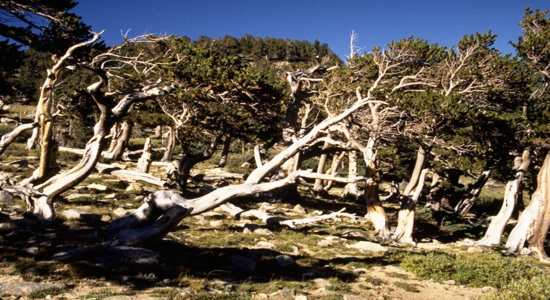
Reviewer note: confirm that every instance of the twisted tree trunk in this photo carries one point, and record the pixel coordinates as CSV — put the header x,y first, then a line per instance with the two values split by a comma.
x,y
494,232
533,223
120,141
48,163
405,219
468,201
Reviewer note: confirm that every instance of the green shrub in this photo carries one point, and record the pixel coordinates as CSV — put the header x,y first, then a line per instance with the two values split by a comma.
x,y
536,288
516,277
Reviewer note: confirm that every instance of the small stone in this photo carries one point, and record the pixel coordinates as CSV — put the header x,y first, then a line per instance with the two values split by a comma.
x,y
368,246
474,250
285,261
284,294
488,289
322,283
300,209
264,244
324,243
264,232
135,187
260,296
216,223
300,297
449,282
6,198
72,214
119,212
97,187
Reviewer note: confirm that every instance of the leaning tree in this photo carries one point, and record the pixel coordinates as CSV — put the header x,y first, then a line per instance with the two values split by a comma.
x,y
533,223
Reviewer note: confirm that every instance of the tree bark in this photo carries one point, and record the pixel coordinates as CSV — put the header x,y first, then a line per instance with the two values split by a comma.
x,y
188,161
170,146
318,186
375,210
494,232
405,219
120,142
351,189
225,151
468,200
418,167
144,162
434,197
533,223
48,164
335,164
8,138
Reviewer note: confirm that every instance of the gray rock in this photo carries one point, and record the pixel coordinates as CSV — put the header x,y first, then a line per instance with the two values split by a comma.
x,y
263,231
368,246
322,283
488,289
6,198
449,282
264,244
25,288
285,261
284,294
300,209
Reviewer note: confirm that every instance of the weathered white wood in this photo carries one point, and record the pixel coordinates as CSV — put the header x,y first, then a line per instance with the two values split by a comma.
x,y
144,219
144,162
8,138
494,232
533,223
130,175
405,219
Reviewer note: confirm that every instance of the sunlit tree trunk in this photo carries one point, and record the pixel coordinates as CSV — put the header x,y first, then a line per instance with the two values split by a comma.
x,y
494,232
405,218
351,189
533,223
144,162
170,146
121,141
318,186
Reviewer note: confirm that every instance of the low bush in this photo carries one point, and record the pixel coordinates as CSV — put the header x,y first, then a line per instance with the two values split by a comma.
x,y
515,277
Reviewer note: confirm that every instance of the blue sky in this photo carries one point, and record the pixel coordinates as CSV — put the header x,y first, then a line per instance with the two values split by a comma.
x,y
376,22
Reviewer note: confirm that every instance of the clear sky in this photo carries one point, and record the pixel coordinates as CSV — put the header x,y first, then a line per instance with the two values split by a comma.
x,y
376,22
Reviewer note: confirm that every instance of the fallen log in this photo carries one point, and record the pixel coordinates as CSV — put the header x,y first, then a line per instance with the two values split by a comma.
x,y
130,175
263,214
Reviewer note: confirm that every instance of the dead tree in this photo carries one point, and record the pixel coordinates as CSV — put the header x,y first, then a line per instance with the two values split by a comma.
x,y
8,138
44,116
165,209
41,207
